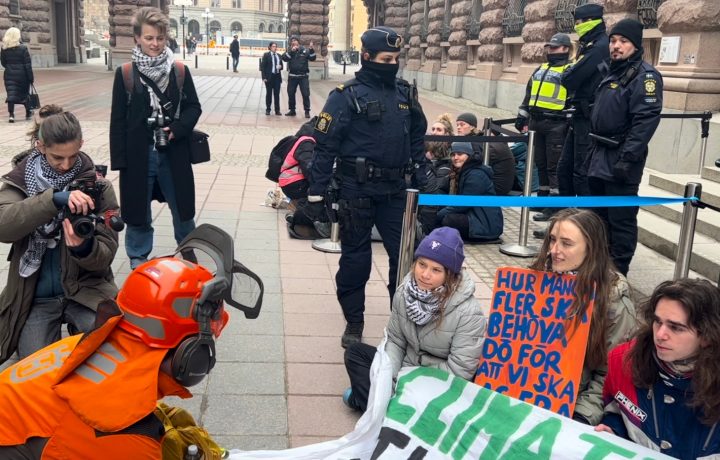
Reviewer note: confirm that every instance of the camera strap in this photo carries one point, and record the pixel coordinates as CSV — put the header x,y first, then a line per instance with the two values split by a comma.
x,y
165,101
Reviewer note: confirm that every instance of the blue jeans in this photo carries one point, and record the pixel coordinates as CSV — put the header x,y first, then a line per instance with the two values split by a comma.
x,y
46,317
139,238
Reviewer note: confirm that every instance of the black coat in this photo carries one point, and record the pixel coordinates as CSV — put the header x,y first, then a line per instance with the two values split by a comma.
x,y
266,66
130,138
18,73
582,78
235,49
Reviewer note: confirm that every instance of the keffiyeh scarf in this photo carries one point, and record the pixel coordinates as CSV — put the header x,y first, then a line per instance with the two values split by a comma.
x,y
155,68
422,306
40,176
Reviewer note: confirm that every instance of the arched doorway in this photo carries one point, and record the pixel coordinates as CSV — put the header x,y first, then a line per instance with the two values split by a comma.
x,y
174,28
214,27
261,28
271,29
194,28
235,28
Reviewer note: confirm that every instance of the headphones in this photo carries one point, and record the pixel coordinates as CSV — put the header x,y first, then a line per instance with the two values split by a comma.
x,y
194,358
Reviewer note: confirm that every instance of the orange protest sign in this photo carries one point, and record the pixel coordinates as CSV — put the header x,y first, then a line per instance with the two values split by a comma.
x,y
532,351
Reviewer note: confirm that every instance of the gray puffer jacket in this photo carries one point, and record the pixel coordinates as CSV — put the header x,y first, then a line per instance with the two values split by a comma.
x,y
452,343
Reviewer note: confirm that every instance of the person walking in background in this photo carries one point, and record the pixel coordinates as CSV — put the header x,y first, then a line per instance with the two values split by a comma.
x,y
18,75
435,320
150,139
373,148
172,44
542,111
624,118
297,58
271,67
235,52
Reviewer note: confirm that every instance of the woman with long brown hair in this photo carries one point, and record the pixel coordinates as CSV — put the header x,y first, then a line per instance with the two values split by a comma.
x,y
663,388
576,243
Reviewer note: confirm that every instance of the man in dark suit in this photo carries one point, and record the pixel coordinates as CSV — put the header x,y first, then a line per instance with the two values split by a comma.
x,y
271,67
235,52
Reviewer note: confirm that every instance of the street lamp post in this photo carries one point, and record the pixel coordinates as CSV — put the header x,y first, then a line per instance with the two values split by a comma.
x,y
183,20
207,15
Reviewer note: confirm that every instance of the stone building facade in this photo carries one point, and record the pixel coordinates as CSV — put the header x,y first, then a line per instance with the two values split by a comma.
x,y
53,31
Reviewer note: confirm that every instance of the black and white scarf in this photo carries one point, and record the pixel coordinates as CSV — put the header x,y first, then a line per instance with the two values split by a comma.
x,y
40,176
422,306
155,68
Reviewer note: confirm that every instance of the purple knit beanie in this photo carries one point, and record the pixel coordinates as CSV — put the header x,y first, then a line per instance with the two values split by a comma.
x,y
444,246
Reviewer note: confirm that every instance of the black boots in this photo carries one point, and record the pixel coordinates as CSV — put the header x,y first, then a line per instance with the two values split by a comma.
x,y
353,334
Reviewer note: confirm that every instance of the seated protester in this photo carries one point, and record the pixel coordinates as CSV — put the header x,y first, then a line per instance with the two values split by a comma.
x,y
438,170
68,409
471,177
663,388
575,243
55,276
502,160
435,320
295,170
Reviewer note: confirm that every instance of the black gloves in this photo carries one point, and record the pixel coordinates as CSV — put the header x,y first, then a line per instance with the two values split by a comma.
x,y
315,211
520,123
621,170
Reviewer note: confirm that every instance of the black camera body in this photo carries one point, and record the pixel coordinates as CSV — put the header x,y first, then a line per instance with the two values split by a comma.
x,y
157,122
84,225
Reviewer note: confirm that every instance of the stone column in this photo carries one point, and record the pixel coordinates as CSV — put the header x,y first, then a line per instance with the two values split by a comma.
x,y
693,83
414,53
309,22
427,77
539,28
122,40
490,51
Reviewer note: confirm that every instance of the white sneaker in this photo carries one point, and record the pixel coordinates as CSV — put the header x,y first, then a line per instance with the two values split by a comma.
x,y
11,119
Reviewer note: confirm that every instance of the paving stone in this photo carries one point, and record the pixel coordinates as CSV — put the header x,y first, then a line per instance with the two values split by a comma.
x,y
254,442
319,416
317,379
313,349
267,323
246,415
251,348
247,378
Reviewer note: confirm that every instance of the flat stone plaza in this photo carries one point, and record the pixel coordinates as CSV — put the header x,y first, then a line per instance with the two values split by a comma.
x,y
279,378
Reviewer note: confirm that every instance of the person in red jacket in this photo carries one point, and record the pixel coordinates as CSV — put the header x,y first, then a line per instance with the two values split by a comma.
x,y
94,395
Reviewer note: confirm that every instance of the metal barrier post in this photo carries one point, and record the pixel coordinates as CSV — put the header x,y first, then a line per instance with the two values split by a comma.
x,y
687,231
105,57
227,62
487,131
196,61
522,249
705,127
332,244
407,238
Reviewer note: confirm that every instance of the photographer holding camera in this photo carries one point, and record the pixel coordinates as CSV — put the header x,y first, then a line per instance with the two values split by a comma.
x,y
154,110
53,211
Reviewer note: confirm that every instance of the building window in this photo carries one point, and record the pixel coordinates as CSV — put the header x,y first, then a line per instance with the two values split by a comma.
x,y
564,18
271,7
262,5
14,8
215,4
445,29
236,4
514,18
271,29
195,2
174,27
261,28
236,27
214,27
473,25
647,12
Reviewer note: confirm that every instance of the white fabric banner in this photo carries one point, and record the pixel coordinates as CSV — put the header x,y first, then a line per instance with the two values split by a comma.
x,y
434,415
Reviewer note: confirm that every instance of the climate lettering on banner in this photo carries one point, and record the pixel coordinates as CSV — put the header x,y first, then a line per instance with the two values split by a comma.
x,y
533,351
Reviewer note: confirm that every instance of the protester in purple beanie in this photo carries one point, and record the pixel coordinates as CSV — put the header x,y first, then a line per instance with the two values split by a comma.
x,y
435,322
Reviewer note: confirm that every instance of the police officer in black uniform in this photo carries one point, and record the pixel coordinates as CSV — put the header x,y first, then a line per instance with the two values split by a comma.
x,y
374,126
580,80
626,113
297,57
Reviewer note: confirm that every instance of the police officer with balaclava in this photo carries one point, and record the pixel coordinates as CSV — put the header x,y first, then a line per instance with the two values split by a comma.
x,y
373,126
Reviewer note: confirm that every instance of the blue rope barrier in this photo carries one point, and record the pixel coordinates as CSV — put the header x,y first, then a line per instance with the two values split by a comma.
x,y
548,202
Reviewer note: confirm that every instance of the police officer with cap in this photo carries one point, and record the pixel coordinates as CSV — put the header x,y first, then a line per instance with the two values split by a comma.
x,y
580,80
542,111
625,116
373,126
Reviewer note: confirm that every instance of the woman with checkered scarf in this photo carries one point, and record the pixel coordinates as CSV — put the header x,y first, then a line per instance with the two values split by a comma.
x,y
154,110
56,276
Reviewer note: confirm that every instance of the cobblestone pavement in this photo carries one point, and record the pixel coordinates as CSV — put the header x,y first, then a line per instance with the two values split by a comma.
x,y
279,378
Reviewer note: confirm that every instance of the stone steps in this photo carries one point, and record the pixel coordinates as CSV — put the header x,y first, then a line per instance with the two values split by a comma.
x,y
659,226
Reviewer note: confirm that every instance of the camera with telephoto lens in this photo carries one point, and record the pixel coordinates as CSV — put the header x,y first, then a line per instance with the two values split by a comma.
x,y
84,225
157,122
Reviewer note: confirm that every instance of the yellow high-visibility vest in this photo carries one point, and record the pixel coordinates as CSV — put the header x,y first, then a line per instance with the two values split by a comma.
x,y
547,92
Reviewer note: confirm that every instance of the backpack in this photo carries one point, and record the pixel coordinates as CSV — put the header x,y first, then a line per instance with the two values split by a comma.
x,y
281,150
128,74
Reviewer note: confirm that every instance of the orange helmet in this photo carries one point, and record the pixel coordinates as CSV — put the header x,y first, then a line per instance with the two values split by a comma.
x,y
160,302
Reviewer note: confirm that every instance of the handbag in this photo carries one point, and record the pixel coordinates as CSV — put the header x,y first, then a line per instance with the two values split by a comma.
x,y
199,147
33,99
